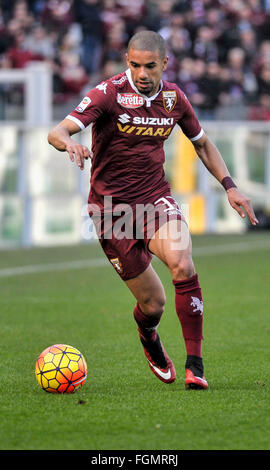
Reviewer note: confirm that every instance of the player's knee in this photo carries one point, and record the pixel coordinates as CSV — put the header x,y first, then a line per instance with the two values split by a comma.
x,y
182,268
154,306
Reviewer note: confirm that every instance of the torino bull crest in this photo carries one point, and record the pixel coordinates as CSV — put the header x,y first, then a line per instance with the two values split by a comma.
x,y
169,100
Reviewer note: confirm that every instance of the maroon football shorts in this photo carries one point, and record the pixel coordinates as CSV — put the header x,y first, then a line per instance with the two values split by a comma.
x,y
124,235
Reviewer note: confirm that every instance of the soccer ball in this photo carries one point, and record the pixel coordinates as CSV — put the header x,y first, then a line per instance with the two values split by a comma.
x,y
61,369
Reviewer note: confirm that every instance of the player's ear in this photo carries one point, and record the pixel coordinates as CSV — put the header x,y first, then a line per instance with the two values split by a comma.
x,y
127,61
165,63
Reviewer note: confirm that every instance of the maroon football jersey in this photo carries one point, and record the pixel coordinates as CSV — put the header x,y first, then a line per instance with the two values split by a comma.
x,y
128,133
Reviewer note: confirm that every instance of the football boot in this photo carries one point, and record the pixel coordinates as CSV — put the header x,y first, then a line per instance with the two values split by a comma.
x,y
158,360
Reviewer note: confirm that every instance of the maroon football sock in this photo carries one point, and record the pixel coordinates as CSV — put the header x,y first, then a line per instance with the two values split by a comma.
x,y
189,309
147,323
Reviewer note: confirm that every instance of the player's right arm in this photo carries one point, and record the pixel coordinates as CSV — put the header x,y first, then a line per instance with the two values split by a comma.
x,y
60,138
94,104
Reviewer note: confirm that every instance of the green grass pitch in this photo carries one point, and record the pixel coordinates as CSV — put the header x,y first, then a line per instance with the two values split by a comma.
x,y
123,405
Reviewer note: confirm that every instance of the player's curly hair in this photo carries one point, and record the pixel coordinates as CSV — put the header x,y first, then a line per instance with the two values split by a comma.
x,y
148,41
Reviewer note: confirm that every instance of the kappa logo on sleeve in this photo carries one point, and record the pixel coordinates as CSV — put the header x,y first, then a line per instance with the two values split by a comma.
x,y
83,104
102,87
130,100
169,100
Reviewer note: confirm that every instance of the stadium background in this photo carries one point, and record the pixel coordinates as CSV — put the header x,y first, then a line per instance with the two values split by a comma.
x,y
56,287
53,52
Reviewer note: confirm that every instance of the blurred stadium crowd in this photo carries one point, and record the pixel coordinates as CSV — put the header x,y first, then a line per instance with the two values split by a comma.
x,y
219,50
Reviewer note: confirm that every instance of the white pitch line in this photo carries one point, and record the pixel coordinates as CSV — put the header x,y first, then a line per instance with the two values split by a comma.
x,y
231,248
99,262
49,267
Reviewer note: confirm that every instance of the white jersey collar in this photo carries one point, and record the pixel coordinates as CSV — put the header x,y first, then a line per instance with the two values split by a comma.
x,y
148,99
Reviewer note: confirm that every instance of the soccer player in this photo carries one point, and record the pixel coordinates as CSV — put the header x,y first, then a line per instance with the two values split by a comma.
x,y
133,114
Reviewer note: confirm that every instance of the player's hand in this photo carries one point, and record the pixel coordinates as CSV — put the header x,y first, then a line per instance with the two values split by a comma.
x,y
239,202
79,153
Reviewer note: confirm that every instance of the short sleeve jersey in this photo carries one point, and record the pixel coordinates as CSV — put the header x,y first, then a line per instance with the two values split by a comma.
x,y
128,135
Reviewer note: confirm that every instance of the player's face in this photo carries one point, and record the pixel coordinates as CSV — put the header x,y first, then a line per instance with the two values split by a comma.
x,y
146,70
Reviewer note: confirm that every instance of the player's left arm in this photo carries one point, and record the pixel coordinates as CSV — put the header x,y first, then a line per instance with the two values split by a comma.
x,y
213,161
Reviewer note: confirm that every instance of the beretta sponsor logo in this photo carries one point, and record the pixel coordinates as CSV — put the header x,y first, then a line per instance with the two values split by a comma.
x,y
130,100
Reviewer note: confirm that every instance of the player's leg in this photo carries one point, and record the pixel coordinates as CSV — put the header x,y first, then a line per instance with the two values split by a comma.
x,y
149,293
147,288
131,260
172,244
